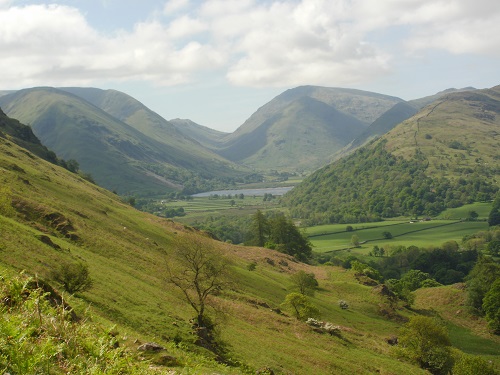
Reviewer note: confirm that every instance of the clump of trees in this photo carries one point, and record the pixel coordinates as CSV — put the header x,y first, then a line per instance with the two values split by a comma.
x,y
279,233
372,184
483,288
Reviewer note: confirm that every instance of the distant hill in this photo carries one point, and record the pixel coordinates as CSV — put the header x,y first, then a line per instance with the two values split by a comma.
x,y
302,127
446,155
146,156
209,138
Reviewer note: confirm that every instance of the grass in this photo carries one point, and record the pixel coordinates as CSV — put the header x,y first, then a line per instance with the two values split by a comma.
x,y
127,252
422,234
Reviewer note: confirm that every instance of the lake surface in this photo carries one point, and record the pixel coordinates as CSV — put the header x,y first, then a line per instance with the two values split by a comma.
x,y
247,192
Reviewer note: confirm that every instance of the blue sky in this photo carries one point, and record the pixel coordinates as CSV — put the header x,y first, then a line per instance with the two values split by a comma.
x,y
217,61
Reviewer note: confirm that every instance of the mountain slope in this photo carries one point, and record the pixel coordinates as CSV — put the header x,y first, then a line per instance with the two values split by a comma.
x,y
302,127
387,121
209,138
119,156
444,156
60,218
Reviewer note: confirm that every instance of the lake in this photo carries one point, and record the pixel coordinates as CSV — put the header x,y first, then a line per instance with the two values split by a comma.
x,y
247,192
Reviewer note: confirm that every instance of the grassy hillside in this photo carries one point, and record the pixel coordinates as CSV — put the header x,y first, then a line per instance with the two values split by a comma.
x,y
57,218
148,159
443,157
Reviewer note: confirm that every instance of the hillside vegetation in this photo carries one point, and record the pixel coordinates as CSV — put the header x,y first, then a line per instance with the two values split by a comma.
x,y
50,217
444,156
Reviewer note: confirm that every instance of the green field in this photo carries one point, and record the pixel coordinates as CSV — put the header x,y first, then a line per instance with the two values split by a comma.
x,y
427,233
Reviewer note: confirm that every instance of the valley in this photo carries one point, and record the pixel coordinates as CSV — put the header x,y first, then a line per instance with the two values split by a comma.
x,y
392,223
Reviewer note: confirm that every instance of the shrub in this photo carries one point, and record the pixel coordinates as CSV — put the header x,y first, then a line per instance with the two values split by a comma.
x,y
471,364
300,306
343,304
425,342
74,277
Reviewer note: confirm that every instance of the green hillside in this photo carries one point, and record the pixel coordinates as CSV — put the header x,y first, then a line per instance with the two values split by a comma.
x,y
444,156
50,217
128,159
303,127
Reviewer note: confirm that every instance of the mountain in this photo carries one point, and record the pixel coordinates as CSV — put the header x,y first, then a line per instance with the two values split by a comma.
x,y
50,217
303,127
388,120
147,156
422,102
446,155
209,138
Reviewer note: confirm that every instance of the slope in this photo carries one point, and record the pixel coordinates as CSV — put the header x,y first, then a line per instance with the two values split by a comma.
x,y
444,156
293,130
209,138
60,218
118,156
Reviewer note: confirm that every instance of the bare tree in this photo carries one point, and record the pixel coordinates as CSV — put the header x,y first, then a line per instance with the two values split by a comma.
x,y
199,270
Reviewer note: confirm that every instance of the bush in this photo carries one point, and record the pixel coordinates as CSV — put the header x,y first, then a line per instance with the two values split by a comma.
x,y
74,277
425,342
470,364
300,306
343,304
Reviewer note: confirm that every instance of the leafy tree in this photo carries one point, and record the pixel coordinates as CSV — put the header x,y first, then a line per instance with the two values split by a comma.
x,y
300,306
494,216
74,277
288,238
479,281
355,240
259,229
305,282
494,247
199,270
491,307
387,235
472,216
471,365
425,342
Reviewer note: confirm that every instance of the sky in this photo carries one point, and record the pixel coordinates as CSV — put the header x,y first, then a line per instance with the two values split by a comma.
x,y
217,61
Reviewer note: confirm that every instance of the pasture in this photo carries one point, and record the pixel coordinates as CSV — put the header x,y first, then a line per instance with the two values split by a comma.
x,y
422,234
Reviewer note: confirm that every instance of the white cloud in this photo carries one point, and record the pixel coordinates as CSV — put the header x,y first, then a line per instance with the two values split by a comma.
x,y
256,43
173,6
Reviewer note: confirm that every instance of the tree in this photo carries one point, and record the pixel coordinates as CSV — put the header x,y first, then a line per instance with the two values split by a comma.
x,y
491,307
479,281
300,306
494,216
305,282
387,235
199,270
288,238
471,364
355,240
74,277
472,215
259,230
424,341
